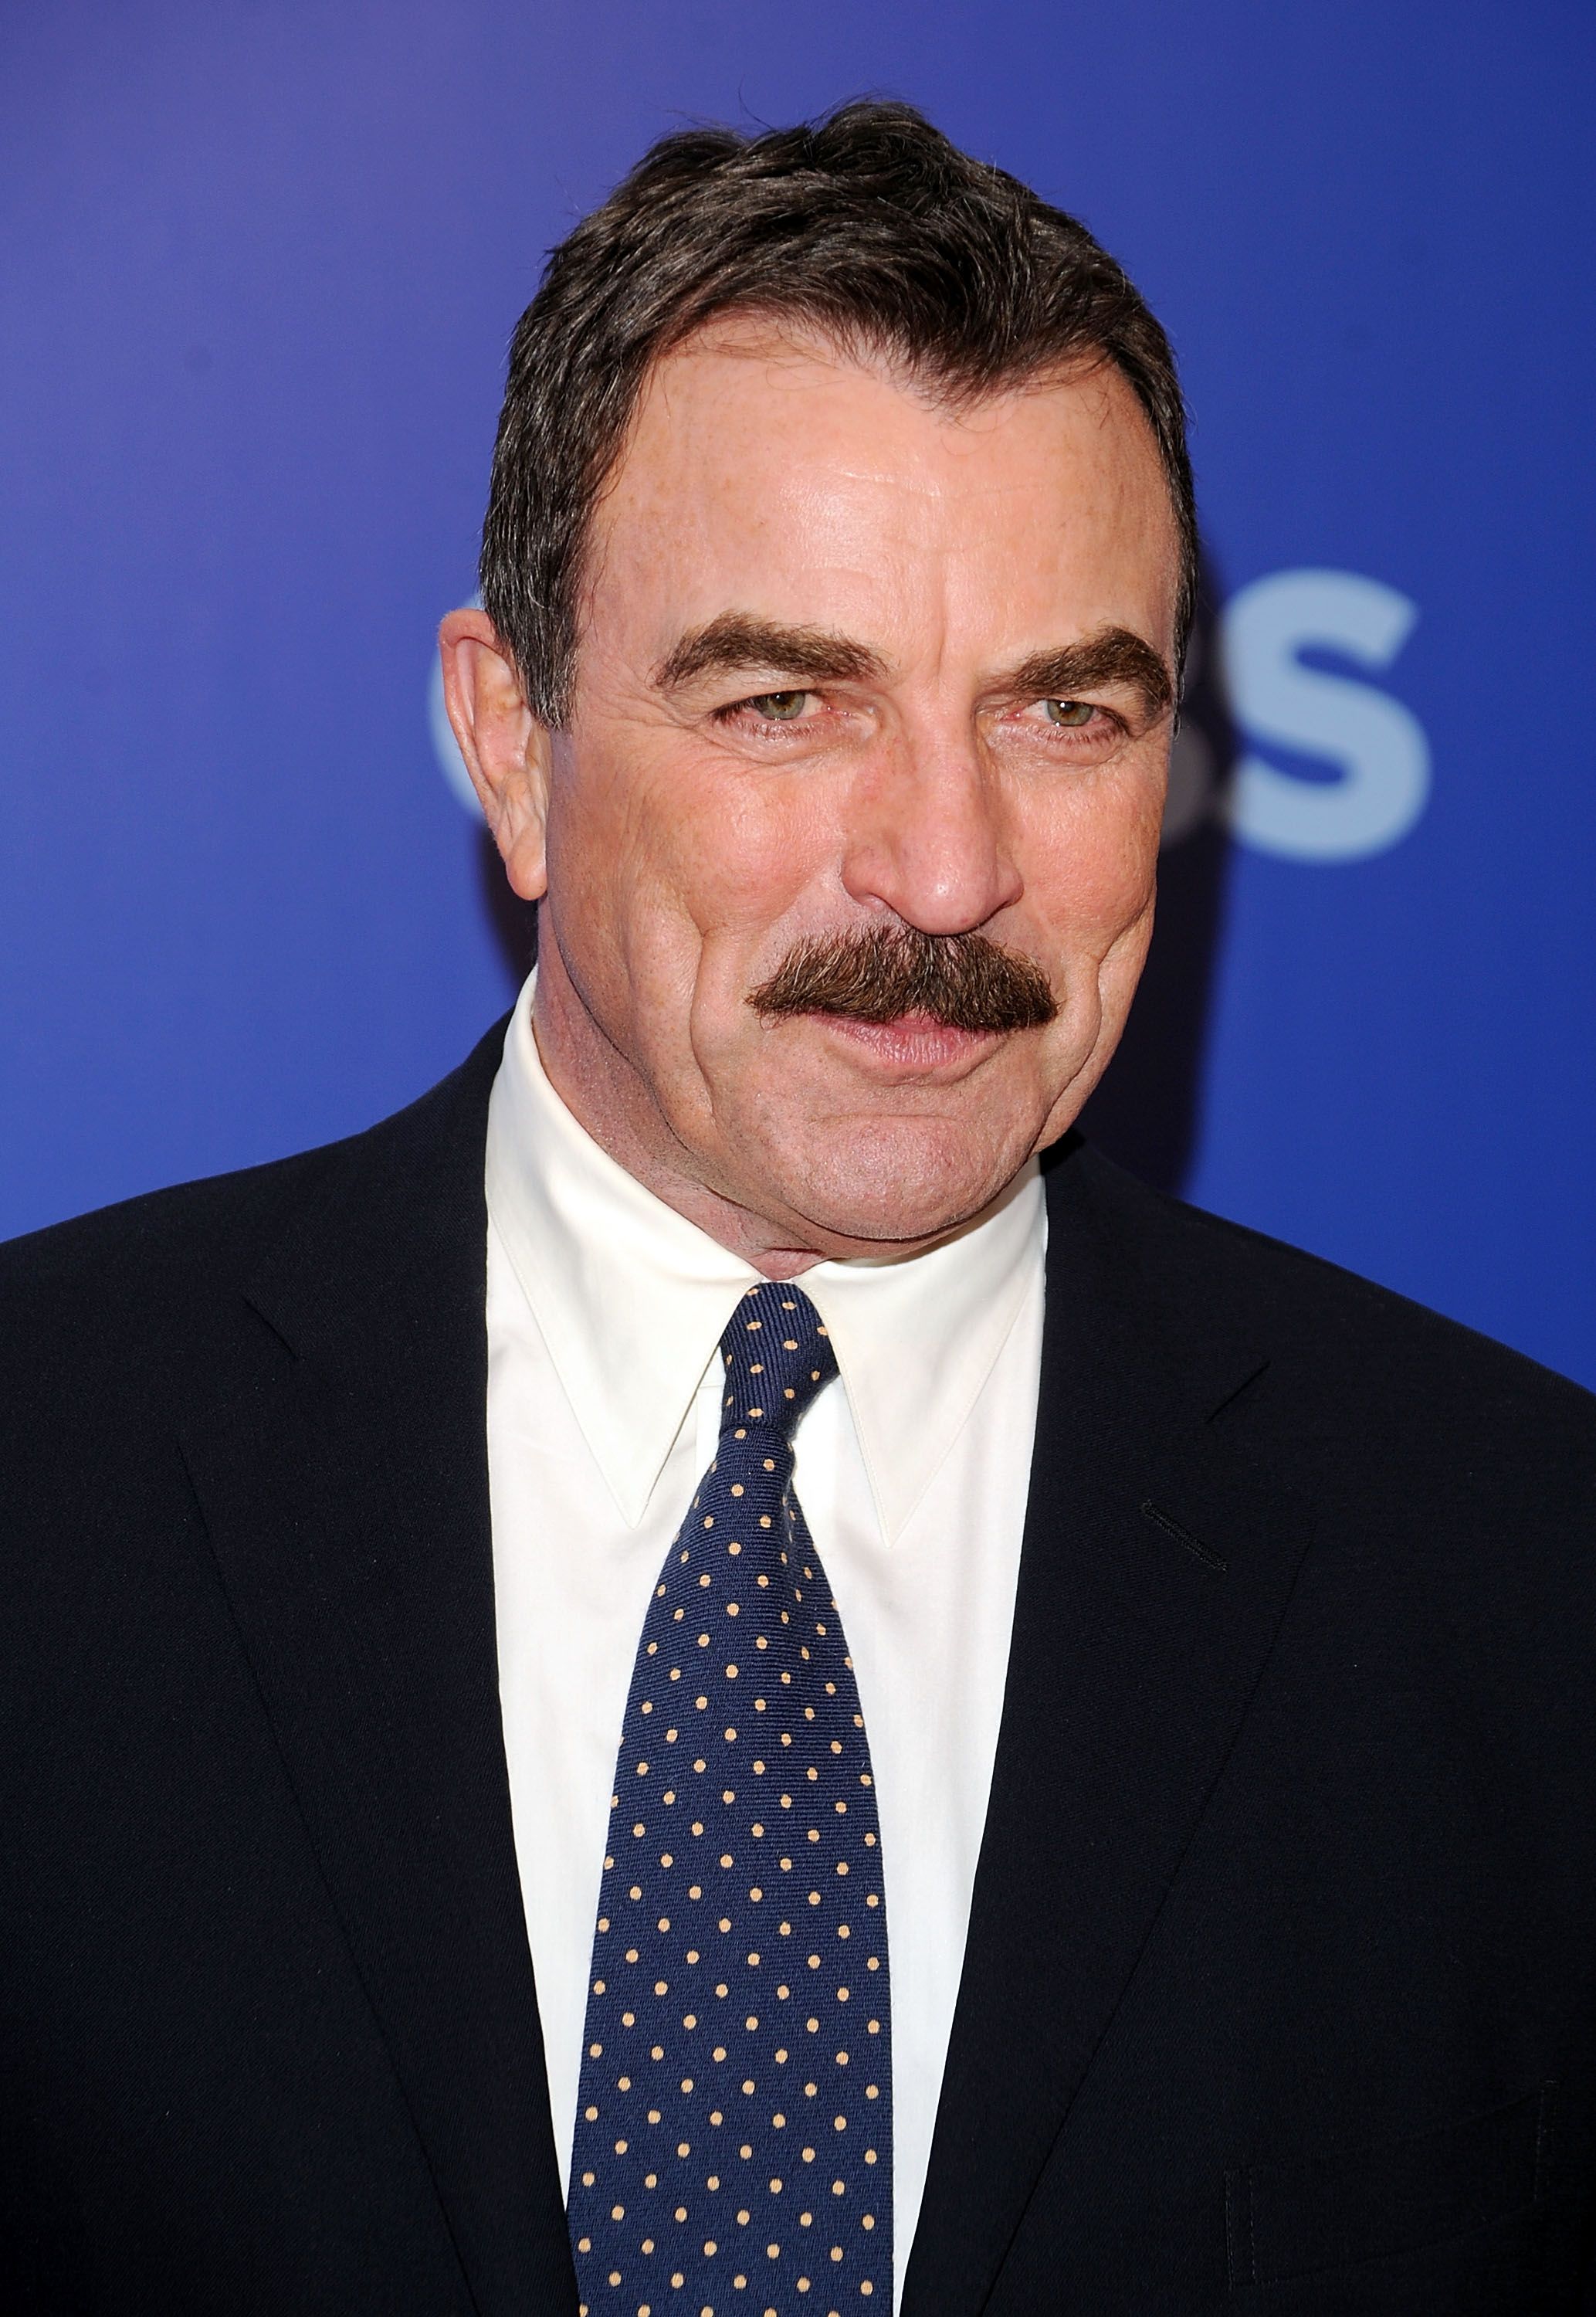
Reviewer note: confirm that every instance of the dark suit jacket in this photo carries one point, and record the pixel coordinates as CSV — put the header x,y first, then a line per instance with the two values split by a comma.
x,y
1278,1993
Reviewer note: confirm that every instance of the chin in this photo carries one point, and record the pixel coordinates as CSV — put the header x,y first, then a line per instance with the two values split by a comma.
x,y
890,1184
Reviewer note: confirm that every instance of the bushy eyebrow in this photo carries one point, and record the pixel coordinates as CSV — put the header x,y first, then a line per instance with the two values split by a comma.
x,y
735,639
1112,656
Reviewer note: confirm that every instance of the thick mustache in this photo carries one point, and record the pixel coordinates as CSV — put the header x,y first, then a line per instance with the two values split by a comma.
x,y
963,981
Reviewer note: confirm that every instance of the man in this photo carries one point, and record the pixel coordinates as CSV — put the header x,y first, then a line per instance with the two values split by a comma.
x,y
680,1682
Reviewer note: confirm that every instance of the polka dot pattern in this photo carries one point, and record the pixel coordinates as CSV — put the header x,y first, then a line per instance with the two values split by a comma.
x,y
733,2148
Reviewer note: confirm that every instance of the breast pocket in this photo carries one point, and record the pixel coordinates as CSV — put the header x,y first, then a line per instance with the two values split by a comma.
x,y
1290,2219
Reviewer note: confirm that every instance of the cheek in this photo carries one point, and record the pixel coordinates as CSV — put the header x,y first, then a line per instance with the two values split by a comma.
x,y
672,853
1091,859
744,849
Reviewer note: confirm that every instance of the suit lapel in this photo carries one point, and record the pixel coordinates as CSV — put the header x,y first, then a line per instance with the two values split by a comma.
x,y
1155,1569
347,1499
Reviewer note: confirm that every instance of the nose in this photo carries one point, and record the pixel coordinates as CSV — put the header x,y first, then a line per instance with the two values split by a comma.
x,y
928,837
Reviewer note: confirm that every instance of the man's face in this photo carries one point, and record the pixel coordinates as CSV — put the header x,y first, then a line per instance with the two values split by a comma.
x,y
852,664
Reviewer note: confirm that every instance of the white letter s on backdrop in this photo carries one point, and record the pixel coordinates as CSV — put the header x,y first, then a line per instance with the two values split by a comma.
x,y
1378,745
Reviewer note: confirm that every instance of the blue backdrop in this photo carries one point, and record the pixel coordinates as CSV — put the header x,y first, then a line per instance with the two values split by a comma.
x,y
258,268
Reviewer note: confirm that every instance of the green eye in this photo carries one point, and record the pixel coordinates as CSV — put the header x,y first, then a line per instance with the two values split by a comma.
x,y
778,707
1072,712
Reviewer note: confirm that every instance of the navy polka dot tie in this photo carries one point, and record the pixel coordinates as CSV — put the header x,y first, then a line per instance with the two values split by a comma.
x,y
733,2128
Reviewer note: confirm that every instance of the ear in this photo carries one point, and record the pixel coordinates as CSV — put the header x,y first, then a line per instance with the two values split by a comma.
x,y
506,749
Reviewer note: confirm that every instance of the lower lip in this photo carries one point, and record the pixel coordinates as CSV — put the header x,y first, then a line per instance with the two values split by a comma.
x,y
913,1044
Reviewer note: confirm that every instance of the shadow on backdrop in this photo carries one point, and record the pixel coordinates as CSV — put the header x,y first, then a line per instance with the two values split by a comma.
x,y
1147,1112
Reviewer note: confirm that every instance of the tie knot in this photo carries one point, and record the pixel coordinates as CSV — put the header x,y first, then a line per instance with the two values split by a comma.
x,y
776,1357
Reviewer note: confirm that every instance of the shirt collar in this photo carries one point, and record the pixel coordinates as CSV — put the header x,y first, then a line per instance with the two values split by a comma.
x,y
631,1298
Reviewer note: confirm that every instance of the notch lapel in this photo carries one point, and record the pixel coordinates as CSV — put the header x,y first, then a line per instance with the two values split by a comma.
x,y
1155,1569
346,1501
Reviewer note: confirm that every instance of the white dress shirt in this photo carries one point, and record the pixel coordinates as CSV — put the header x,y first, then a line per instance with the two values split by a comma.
x,y
604,1311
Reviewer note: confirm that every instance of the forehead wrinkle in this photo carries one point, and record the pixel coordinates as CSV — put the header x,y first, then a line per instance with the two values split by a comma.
x,y
936,489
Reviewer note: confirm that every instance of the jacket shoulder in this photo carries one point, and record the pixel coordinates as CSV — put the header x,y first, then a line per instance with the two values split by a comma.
x,y
135,1281
1345,1340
